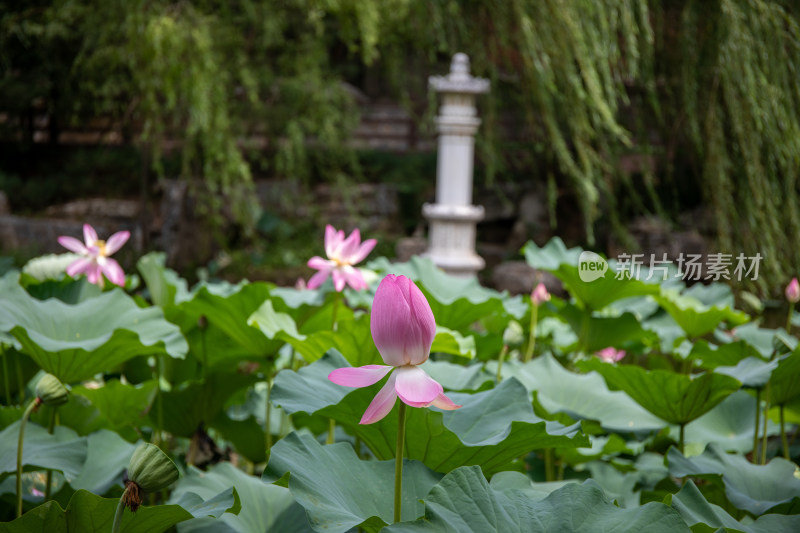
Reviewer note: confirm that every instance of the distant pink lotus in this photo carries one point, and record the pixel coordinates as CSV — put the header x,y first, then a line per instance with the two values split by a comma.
x,y
793,291
403,329
95,260
539,295
342,255
610,354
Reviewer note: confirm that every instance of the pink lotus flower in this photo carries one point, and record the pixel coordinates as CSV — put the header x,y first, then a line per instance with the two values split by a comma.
x,y
793,291
403,329
540,294
342,255
96,261
610,354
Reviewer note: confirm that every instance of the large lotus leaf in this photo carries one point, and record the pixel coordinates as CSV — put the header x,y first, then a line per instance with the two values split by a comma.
x,y
695,317
120,404
74,342
463,502
459,377
517,481
68,290
730,425
753,488
107,458
785,382
165,286
762,340
64,450
711,356
264,507
593,295
595,333
89,513
223,337
456,303
581,396
275,325
697,512
453,343
752,372
490,429
340,491
187,409
676,398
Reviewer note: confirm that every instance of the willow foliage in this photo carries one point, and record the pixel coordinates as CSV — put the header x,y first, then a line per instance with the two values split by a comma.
x,y
705,90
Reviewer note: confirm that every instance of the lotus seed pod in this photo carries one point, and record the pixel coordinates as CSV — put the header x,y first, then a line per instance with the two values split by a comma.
x,y
51,391
513,336
151,469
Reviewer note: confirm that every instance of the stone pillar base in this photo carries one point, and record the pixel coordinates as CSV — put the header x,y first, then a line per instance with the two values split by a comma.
x,y
452,238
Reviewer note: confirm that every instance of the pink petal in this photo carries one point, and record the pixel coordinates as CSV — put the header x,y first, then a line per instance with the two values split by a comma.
x,y
350,247
363,252
116,241
89,235
319,263
318,279
382,403
113,272
72,244
389,321
362,376
415,387
339,280
80,266
94,275
422,317
443,402
333,239
354,278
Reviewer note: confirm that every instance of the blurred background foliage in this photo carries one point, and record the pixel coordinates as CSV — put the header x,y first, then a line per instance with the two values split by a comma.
x,y
622,106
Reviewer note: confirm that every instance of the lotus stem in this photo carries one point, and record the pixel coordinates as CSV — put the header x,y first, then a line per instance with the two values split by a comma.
x,y
784,440
789,318
49,478
28,410
20,380
764,436
159,404
117,525
6,382
532,340
268,416
682,435
335,310
398,462
755,430
331,431
548,464
500,360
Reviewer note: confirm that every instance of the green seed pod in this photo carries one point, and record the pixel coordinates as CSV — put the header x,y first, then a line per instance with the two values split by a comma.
x,y
513,336
51,391
151,469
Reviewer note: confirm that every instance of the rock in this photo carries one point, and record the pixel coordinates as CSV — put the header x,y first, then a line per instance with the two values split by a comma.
x,y
518,277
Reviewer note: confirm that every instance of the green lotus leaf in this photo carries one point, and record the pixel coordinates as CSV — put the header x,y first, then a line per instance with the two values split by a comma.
x,y
697,318
264,507
730,425
752,372
165,286
339,491
784,384
594,295
107,457
757,489
710,356
74,342
89,513
676,398
582,396
697,512
491,428
595,333
64,450
120,404
463,502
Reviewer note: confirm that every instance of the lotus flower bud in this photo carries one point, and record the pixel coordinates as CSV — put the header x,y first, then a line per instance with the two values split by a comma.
x,y
540,294
149,470
793,291
513,336
51,391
